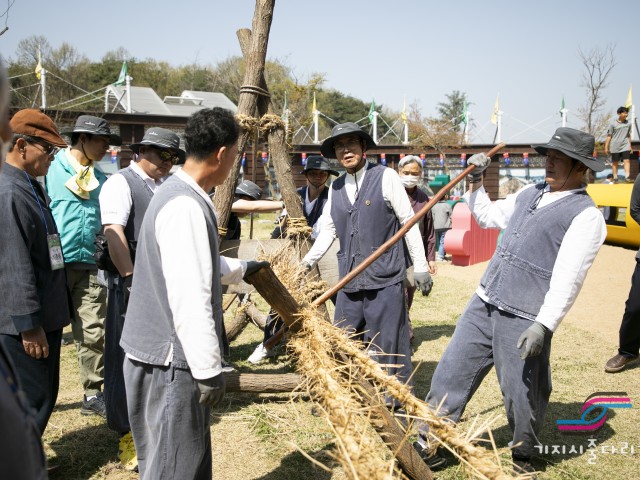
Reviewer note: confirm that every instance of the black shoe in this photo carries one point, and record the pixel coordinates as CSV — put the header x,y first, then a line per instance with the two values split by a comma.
x,y
434,461
95,406
524,466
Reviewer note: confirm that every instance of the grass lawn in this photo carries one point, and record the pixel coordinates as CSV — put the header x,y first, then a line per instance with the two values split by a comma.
x,y
259,436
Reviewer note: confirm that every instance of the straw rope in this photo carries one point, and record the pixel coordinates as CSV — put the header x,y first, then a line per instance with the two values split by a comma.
x,y
298,227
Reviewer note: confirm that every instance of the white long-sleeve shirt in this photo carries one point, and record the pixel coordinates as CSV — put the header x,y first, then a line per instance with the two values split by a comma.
x,y
116,199
579,247
187,268
394,195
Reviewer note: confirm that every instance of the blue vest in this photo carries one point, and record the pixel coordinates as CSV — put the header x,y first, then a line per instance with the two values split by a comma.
x,y
149,331
316,211
362,227
78,219
519,273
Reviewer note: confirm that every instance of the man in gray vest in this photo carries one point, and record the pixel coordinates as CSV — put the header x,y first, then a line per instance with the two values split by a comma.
x,y
365,208
172,337
553,232
123,202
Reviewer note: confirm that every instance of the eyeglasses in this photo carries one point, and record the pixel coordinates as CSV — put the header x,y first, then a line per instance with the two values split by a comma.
x,y
347,144
48,149
168,156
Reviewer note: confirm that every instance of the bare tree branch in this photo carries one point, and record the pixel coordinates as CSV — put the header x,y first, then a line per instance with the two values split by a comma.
x,y
598,64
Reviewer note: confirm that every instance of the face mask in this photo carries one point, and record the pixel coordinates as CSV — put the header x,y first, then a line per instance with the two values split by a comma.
x,y
409,181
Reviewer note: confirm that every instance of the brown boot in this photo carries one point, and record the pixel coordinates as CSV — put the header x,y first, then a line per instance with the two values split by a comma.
x,y
619,362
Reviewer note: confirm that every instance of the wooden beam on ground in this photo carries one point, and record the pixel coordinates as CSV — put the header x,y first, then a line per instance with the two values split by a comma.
x,y
237,324
257,317
262,382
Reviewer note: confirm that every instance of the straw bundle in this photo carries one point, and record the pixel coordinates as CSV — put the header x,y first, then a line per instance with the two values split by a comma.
x,y
332,364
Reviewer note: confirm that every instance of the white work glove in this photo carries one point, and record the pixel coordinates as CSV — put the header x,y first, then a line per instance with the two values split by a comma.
x,y
534,339
481,161
423,282
212,390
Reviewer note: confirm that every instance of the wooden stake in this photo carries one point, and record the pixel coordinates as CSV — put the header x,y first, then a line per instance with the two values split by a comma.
x,y
247,102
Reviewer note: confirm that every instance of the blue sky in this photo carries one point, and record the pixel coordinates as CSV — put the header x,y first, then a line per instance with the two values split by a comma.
x,y
525,51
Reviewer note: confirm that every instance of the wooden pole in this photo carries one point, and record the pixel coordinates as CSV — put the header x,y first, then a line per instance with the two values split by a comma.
x,y
247,101
277,145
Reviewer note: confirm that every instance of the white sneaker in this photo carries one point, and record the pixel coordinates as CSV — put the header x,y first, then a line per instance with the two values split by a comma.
x,y
258,355
228,367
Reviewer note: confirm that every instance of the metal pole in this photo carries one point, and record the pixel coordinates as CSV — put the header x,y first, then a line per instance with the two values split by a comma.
x,y
43,85
128,87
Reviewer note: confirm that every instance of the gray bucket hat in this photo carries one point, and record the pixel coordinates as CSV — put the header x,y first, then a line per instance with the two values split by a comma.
x,y
342,130
94,126
575,144
249,189
160,138
316,162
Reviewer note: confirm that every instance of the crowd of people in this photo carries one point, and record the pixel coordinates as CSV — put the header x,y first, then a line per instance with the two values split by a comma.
x,y
149,331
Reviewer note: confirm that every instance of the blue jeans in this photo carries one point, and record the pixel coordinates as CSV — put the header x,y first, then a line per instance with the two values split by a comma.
x,y
485,337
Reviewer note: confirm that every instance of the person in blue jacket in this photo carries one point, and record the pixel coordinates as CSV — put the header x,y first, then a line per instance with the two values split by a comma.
x,y
74,184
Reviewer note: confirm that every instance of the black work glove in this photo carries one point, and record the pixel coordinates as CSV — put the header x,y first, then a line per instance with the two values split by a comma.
x,y
211,390
423,282
253,266
126,288
534,339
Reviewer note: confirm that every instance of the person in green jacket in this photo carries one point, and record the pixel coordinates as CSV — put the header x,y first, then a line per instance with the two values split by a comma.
x,y
74,184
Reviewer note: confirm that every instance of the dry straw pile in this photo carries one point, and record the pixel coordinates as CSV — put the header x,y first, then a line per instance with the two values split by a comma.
x,y
334,367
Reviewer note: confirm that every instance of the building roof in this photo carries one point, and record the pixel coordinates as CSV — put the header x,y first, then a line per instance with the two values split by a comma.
x,y
145,101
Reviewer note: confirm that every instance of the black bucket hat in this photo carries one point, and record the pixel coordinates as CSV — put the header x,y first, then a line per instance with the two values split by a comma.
x,y
575,144
342,130
95,126
160,138
249,189
317,162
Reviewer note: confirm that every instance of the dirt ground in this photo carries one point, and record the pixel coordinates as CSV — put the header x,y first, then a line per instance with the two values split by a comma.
x,y
600,304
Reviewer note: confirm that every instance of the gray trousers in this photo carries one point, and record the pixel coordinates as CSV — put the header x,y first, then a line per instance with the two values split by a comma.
x,y
485,337
170,428
380,317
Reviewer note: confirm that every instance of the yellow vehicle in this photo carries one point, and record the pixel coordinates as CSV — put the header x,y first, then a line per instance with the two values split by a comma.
x,y
613,201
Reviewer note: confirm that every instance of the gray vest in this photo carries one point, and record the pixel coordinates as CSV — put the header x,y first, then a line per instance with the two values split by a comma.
x,y
149,331
141,195
518,276
362,227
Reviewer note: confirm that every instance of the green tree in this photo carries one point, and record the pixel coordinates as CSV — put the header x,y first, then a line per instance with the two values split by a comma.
x,y
452,111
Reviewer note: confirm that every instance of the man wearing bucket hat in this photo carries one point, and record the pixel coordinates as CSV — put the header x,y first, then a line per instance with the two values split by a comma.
x,y
123,202
34,307
74,184
314,194
248,200
366,207
553,232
